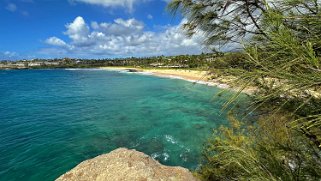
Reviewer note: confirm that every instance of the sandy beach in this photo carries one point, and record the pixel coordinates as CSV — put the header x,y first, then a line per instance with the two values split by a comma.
x,y
195,76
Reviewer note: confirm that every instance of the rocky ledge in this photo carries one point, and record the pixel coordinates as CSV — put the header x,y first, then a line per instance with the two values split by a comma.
x,y
123,164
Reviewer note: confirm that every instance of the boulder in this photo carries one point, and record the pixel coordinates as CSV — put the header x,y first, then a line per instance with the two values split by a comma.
x,y
126,165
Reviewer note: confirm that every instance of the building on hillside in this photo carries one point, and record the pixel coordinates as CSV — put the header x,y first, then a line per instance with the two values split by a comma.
x,y
174,66
156,64
19,65
51,63
34,64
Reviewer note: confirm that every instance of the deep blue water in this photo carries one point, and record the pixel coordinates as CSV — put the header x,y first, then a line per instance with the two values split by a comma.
x,y
51,120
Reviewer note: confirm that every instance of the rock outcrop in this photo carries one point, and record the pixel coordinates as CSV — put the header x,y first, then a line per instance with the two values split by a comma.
x,y
126,165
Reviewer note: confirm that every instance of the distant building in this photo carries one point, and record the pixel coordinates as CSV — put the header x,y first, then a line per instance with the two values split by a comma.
x,y
173,66
51,63
156,64
18,65
34,64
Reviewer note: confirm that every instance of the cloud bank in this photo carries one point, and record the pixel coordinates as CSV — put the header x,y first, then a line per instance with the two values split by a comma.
x,y
128,4
121,38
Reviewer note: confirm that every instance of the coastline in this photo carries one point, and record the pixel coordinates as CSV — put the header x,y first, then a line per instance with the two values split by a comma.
x,y
194,76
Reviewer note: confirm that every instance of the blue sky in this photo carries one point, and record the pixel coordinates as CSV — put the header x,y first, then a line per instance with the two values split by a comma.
x,y
91,29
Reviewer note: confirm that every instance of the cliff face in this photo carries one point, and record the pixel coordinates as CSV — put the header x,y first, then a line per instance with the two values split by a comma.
x,y
126,165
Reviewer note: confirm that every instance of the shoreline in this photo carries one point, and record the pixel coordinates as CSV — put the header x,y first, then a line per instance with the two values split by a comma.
x,y
194,76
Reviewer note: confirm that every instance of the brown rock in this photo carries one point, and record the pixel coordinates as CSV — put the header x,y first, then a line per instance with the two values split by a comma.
x,y
126,165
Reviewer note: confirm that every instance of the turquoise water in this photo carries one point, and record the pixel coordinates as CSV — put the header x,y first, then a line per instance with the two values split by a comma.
x,y
51,120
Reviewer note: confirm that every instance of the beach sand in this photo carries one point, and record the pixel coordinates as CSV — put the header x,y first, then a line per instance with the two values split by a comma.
x,y
195,76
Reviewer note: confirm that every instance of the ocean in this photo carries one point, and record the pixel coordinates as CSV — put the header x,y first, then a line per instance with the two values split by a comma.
x,y
51,120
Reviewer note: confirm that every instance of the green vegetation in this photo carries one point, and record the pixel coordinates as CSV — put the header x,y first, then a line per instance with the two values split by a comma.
x,y
201,61
267,151
205,61
281,57
279,53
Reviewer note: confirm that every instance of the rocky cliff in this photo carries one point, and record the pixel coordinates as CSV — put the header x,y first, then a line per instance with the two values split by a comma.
x,y
126,165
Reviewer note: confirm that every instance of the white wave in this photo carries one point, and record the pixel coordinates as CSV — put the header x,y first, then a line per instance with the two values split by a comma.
x,y
141,73
170,139
144,73
72,69
135,144
86,69
111,69
166,156
172,77
155,155
123,71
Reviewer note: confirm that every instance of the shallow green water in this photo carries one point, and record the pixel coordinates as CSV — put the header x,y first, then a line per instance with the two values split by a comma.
x,y
51,120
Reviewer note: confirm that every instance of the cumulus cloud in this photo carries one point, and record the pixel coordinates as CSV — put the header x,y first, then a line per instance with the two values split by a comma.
x,y
128,4
78,31
123,38
55,41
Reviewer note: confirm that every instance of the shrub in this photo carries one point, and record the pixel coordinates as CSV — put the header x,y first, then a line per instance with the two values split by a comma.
x,y
268,150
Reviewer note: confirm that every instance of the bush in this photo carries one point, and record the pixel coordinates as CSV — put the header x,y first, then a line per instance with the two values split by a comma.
x,y
268,150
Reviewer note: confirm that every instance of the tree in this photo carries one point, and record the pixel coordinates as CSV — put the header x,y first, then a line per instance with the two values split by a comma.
x,y
221,21
236,21
282,43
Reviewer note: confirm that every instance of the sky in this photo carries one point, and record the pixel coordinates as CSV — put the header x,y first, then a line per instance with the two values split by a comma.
x,y
91,29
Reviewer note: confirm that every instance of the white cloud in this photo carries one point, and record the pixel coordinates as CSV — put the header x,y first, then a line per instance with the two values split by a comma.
x,y
11,7
55,41
9,54
128,4
119,27
150,16
78,31
123,38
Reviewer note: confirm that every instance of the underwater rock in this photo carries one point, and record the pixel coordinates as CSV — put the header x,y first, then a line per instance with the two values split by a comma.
x,y
124,164
132,70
